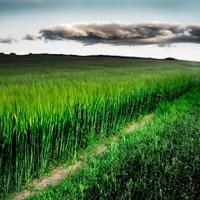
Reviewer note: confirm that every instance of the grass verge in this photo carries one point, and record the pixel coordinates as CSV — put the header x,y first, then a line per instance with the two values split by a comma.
x,y
159,161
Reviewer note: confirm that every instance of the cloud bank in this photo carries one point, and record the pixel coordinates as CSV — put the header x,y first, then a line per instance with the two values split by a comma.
x,y
124,34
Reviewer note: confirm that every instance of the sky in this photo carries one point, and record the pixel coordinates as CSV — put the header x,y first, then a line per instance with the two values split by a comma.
x,y
145,28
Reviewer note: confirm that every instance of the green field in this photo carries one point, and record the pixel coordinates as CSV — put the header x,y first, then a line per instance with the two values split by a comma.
x,y
159,161
51,107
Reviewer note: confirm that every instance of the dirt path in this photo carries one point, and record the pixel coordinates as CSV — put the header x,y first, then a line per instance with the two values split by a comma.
x,y
137,125
61,172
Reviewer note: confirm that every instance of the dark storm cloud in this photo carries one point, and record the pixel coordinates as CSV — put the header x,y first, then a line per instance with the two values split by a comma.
x,y
194,30
124,34
30,37
7,40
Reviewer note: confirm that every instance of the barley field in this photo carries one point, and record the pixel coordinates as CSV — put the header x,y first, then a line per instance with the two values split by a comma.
x,y
51,107
158,161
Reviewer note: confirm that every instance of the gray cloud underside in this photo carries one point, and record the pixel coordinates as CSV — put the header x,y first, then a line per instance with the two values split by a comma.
x,y
31,37
124,34
7,40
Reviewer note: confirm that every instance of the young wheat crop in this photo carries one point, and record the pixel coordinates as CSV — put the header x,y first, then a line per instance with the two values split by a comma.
x,y
50,108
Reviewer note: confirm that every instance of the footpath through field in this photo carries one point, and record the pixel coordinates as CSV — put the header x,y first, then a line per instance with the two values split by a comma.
x,y
61,172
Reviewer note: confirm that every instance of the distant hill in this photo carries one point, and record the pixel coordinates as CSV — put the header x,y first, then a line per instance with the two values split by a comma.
x,y
88,56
